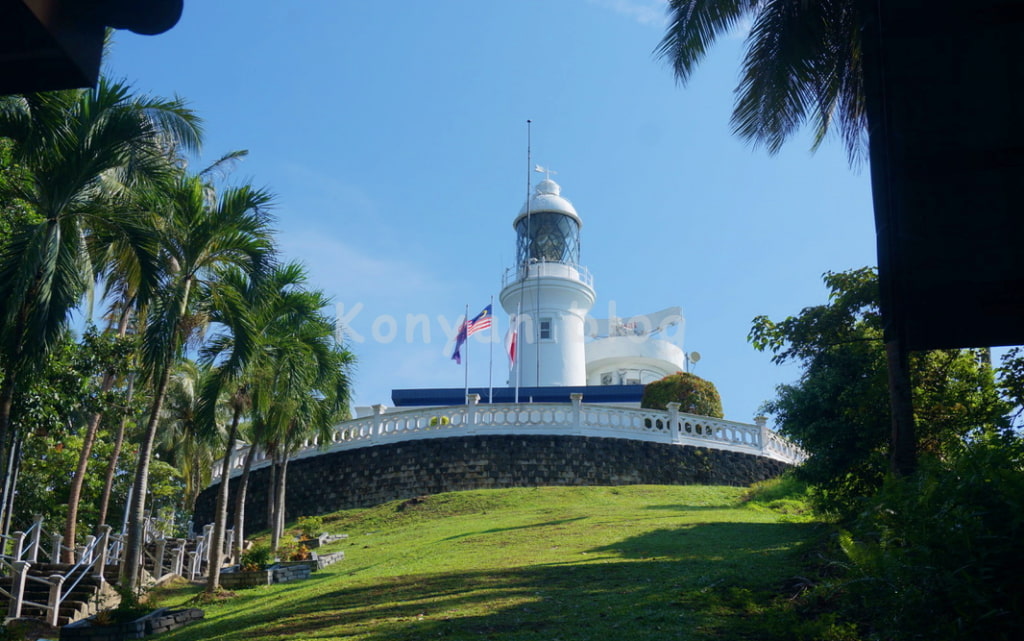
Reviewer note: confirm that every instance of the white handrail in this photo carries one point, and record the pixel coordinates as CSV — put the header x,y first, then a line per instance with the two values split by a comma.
x,y
575,418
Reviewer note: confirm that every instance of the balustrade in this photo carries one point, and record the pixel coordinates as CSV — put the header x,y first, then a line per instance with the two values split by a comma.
x,y
575,418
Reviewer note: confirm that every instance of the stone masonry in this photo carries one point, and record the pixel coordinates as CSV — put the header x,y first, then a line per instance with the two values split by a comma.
x,y
373,475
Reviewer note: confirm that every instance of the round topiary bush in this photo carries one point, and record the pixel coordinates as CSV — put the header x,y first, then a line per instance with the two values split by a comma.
x,y
694,395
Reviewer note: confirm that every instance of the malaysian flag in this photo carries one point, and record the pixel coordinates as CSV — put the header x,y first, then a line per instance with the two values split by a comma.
x,y
479,322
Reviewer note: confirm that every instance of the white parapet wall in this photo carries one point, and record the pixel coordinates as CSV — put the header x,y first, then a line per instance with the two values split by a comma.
x,y
560,419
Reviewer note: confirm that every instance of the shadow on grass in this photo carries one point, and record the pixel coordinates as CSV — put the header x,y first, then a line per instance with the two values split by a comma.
x,y
679,507
659,585
517,527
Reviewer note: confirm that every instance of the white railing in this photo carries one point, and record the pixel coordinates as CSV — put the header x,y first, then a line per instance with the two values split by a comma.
x,y
572,271
575,418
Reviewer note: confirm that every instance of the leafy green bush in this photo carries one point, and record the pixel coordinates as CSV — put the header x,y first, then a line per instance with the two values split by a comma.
x,y
256,558
694,395
311,526
937,555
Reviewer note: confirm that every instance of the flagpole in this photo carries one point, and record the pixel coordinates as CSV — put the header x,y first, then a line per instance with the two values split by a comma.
x,y
490,357
515,348
465,325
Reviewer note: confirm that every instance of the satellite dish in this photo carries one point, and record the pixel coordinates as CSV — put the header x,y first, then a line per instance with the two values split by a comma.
x,y
694,357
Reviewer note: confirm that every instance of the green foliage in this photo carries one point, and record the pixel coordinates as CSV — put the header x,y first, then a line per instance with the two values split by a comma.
x,y
257,557
1011,380
838,411
694,395
802,65
311,526
937,555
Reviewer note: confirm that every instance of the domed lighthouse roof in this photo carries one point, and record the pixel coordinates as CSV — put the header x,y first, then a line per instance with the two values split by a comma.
x,y
547,198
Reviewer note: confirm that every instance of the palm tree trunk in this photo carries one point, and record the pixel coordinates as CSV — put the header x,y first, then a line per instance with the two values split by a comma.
x,y
132,565
221,516
78,479
277,529
9,488
108,484
271,491
240,494
6,467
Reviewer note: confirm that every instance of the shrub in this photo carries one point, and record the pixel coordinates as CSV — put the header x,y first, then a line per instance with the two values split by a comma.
x,y
694,395
291,551
256,558
311,526
937,555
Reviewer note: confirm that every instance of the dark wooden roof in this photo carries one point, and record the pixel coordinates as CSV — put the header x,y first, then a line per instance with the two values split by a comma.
x,y
57,44
945,86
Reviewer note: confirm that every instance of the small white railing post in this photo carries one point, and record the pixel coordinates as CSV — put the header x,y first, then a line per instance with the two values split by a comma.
x,y
56,541
207,529
87,549
577,411
19,545
761,421
37,533
229,542
104,544
17,588
472,400
179,557
192,562
378,422
53,609
673,420
158,559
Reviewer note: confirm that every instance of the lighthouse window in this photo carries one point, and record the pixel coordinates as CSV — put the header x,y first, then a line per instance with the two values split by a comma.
x,y
545,329
548,237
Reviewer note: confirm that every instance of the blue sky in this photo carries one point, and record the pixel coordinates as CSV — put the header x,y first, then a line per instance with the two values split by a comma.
x,y
395,138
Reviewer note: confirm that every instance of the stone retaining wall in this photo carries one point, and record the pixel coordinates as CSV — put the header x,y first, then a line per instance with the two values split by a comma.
x,y
373,475
162,620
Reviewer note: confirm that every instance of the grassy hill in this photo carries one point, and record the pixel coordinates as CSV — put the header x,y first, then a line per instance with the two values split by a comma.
x,y
603,563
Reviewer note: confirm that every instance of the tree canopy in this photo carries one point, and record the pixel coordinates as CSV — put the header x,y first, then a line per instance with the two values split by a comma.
x,y
839,408
802,66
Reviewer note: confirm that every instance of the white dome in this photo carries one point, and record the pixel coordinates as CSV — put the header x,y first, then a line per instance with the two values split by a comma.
x,y
547,198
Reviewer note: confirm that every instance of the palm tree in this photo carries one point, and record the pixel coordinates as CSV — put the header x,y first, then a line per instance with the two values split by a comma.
x,y
802,65
305,395
199,237
262,318
82,151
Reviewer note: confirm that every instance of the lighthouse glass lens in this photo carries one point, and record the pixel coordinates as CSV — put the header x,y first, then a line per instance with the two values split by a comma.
x,y
548,237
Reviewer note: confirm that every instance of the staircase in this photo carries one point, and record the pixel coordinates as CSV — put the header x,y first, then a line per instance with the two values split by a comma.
x,y
87,596
59,593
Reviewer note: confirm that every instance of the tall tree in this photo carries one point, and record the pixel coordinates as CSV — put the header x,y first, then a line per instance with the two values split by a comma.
x,y
80,152
802,65
838,409
302,394
200,235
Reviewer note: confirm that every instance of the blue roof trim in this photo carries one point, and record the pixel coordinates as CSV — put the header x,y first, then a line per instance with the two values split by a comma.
x,y
457,396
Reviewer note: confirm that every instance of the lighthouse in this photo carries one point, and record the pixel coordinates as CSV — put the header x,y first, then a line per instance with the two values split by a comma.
x,y
548,292
560,350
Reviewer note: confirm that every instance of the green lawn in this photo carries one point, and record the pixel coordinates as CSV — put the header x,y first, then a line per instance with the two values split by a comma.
x,y
603,563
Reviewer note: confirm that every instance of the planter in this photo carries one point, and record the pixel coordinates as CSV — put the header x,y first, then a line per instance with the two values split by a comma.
x,y
292,571
247,579
162,620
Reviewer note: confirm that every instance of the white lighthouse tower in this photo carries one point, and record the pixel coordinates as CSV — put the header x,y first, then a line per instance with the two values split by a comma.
x,y
549,291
